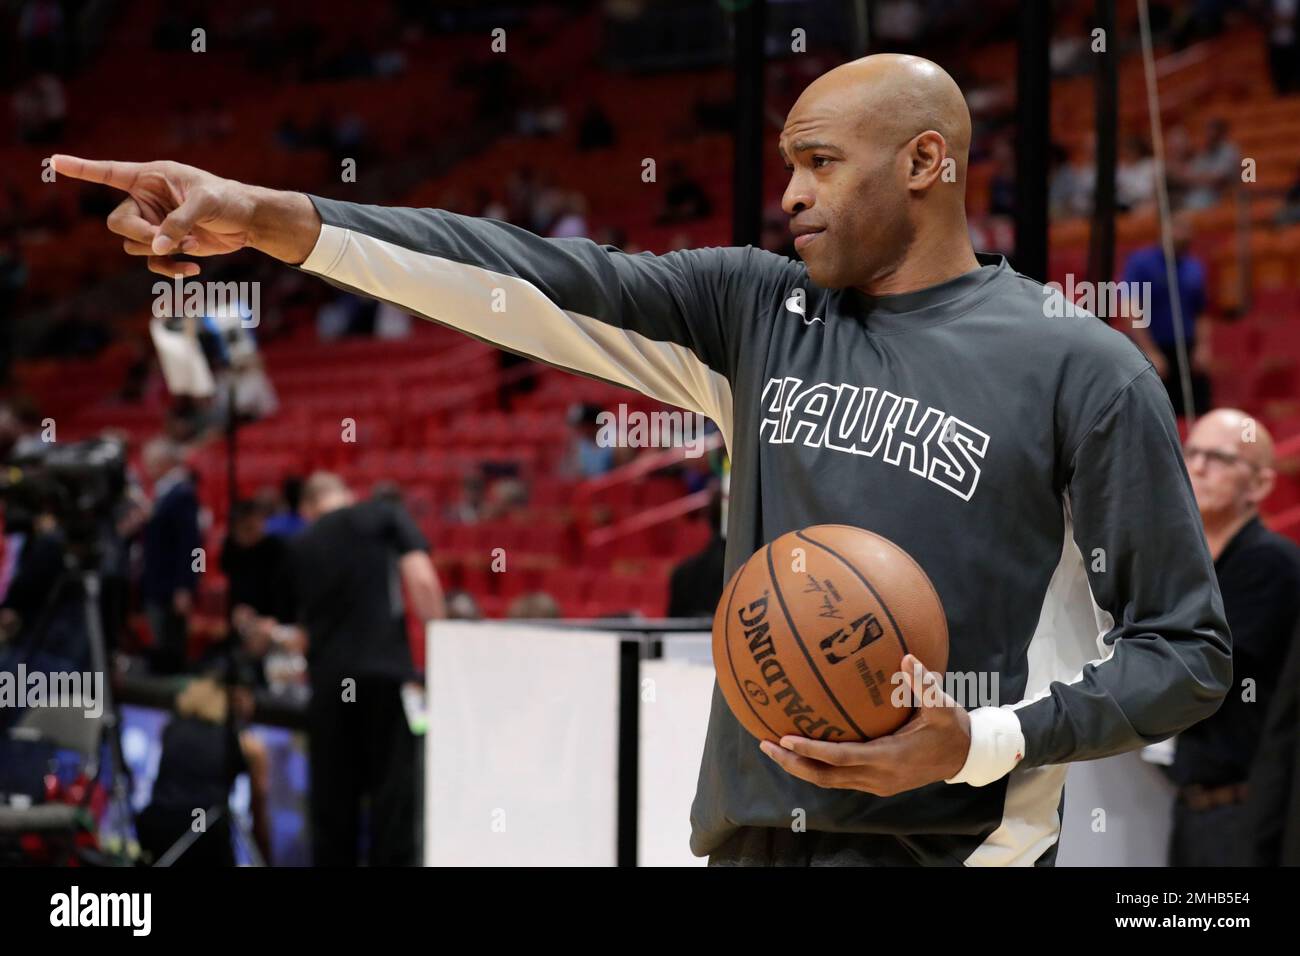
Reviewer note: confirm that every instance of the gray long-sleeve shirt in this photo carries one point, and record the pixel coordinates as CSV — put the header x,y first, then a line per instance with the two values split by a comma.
x,y
1029,463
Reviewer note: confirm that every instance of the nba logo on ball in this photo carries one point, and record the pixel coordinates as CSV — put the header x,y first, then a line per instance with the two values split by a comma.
x,y
813,652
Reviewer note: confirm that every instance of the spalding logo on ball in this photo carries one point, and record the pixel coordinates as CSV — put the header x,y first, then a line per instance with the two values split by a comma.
x,y
813,628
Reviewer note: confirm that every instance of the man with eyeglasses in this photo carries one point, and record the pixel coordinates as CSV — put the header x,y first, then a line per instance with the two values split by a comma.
x,y
1230,462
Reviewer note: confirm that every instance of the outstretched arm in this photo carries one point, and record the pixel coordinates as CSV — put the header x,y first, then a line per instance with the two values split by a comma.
x,y
669,326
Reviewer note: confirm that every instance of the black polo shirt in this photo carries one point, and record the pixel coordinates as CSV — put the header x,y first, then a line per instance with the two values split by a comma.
x,y
1259,578
345,590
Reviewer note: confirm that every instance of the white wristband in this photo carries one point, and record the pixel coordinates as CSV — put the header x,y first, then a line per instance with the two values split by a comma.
x,y
996,746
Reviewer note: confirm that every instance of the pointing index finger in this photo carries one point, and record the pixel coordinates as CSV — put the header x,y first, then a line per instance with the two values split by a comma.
x,y
109,173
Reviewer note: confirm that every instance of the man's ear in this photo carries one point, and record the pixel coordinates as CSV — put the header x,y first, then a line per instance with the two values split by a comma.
x,y
1263,485
926,153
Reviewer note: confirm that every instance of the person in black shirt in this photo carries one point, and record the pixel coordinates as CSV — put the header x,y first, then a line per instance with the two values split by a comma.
x,y
1230,462
1274,785
201,758
251,559
342,602
695,587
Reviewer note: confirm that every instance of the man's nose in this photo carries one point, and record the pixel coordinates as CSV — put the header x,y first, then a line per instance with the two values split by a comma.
x,y
797,197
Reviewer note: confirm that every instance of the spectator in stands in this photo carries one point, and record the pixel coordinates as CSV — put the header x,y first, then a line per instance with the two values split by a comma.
x,y
289,135
199,125
345,315
1178,162
284,518
251,559
684,198
616,237
1002,185
1230,463
595,131
341,604
714,111
489,207
586,456
1290,211
496,85
534,606
1214,169
522,187
1190,22
571,216
541,115
42,33
469,508
348,139
461,606
1135,176
695,587
1284,45
1145,269
518,378
546,210
40,109
506,496
899,24
1072,182
171,541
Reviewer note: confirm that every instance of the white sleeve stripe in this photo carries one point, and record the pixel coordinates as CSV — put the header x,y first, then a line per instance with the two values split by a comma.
x,y
462,296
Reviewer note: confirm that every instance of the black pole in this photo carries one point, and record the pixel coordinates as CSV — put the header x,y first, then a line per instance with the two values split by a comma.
x,y
629,753
1101,237
232,430
747,164
234,726
1033,128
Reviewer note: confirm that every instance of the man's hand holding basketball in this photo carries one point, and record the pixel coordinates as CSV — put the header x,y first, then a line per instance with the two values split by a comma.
x,y
930,747
175,209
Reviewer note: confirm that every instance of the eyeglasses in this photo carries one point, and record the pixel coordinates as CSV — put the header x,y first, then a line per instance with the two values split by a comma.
x,y
1222,459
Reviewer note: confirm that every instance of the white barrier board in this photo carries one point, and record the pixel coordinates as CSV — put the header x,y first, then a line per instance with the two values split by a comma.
x,y
521,749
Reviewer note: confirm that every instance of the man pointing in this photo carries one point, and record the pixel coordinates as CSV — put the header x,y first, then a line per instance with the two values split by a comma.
x,y
1030,464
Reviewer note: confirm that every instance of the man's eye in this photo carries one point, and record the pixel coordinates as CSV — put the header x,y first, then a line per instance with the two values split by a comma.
x,y
820,161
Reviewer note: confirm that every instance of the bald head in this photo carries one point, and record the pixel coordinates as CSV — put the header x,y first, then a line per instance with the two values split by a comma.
x,y
877,150
1232,428
1230,463
896,97
323,492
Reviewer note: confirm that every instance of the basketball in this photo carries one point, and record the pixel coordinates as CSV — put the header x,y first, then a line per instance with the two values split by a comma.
x,y
813,628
